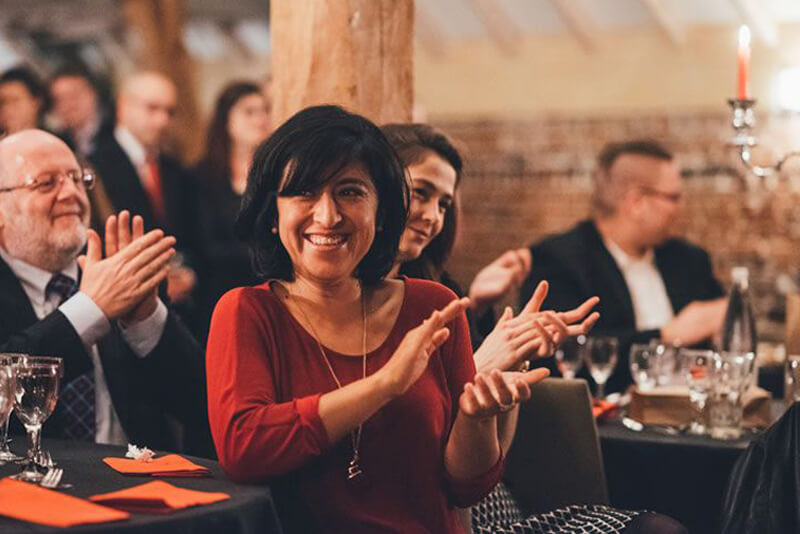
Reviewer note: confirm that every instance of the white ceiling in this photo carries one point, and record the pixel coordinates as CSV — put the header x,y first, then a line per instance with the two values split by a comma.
x,y
460,19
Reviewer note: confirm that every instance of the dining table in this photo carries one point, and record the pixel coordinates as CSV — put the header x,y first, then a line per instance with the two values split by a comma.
x,y
250,508
670,471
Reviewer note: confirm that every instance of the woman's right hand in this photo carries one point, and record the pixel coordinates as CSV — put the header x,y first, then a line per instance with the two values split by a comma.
x,y
411,357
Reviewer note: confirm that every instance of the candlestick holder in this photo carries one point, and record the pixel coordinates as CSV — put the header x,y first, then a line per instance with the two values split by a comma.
x,y
743,120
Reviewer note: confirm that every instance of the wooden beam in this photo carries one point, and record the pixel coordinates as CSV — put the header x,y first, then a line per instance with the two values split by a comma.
x,y
358,54
159,26
428,33
501,29
578,22
673,28
763,26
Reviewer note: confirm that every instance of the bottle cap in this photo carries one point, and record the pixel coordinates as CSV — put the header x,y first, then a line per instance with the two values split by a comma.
x,y
740,275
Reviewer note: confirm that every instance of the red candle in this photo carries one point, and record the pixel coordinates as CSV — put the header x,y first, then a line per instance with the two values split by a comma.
x,y
743,63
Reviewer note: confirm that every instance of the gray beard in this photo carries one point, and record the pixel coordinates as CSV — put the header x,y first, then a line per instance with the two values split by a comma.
x,y
53,255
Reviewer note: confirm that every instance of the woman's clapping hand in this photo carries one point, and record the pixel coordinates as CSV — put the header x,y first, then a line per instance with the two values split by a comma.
x,y
411,357
490,394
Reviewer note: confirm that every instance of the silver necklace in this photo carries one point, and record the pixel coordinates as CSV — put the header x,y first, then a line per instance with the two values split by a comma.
x,y
355,475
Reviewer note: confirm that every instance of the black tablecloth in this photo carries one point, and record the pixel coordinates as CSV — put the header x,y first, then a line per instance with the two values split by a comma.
x,y
682,476
249,510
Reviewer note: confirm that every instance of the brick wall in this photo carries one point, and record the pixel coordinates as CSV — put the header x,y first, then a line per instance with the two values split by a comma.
x,y
526,179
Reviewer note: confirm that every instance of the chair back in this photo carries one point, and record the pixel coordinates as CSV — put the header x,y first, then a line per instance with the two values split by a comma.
x,y
555,459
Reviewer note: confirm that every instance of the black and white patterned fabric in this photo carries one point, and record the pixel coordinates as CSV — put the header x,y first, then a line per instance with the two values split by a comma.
x,y
499,514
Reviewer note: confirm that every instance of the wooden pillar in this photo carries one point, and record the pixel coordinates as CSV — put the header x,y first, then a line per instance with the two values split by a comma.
x,y
355,53
159,27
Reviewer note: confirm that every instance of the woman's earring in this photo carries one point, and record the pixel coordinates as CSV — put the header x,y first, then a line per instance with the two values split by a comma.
x,y
274,230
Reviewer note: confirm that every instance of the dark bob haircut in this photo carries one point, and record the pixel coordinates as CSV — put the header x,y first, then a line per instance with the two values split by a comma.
x,y
312,147
413,143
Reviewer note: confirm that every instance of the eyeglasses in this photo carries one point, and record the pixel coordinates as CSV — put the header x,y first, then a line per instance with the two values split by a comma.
x,y
47,182
675,197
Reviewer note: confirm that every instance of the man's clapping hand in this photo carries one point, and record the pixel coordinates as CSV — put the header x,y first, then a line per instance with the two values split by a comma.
x,y
124,284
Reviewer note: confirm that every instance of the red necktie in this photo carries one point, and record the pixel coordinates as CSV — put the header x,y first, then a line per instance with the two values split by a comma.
x,y
152,187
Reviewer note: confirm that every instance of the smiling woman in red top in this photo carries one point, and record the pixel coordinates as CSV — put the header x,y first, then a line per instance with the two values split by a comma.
x,y
354,396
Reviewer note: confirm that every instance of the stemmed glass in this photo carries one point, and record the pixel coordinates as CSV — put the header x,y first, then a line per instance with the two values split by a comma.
x,y
600,354
8,389
645,363
568,356
697,366
7,360
36,397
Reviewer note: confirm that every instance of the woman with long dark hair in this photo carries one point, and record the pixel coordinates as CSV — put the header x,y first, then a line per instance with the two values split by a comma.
x,y
240,122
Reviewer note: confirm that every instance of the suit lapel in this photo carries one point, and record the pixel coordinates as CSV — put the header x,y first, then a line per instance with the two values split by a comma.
x,y
608,274
13,297
675,280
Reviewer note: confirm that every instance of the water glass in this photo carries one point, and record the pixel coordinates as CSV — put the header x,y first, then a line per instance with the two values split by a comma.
x,y
569,356
8,389
697,371
792,380
7,360
645,365
600,354
669,365
37,393
730,377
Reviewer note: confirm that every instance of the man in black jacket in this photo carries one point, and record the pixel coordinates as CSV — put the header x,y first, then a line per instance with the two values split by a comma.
x,y
650,284
129,362
138,176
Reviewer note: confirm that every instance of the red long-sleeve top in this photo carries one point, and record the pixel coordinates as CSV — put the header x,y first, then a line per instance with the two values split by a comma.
x,y
265,378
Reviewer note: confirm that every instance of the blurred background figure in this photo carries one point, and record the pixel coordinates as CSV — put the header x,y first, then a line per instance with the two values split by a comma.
x,y
140,177
240,122
23,100
651,284
80,114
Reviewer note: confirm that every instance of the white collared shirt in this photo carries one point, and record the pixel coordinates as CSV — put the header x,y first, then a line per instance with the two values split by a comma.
x,y
651,305
91,324
135,151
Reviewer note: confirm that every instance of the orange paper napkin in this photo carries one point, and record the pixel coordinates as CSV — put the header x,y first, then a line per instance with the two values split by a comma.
x,y
170,465
601,408
29,502
157,497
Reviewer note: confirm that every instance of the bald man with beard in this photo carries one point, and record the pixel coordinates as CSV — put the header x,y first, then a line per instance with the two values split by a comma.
x,y
131,369
140,177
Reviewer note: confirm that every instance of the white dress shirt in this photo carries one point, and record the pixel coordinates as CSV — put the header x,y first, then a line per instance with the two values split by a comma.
x,y
651,305
135,151
91,325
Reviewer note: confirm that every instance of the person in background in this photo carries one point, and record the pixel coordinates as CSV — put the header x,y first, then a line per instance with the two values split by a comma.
x,y
77,108
355,395
140,177
651,284
240,123
129,362
434,168
23,100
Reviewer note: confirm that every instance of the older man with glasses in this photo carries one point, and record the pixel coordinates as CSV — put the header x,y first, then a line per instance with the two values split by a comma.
x,y
650,284
128,360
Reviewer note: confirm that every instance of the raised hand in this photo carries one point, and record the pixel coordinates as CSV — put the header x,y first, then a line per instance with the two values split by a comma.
x,y
491,394
411,357
503,275
120,231
134,265
515,339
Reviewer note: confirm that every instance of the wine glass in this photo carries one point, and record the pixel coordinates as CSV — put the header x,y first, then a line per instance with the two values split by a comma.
x,y
569,357
697,365
600,354
8,360
645,365
8,389
36,397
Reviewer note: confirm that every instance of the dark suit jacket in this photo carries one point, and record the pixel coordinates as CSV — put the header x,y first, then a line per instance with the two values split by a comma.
x,y
578,266
170,380
125,190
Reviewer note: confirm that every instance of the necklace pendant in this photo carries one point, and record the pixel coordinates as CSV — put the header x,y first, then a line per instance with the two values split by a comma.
x,y
356,478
